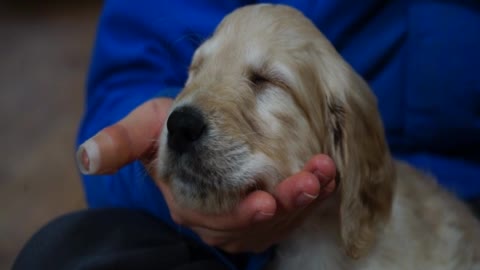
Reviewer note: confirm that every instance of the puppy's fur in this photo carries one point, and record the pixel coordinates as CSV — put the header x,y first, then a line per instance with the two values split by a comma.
x,y
273,92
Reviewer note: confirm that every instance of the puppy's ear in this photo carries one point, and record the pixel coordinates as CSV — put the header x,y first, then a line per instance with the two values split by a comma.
x,y
356,142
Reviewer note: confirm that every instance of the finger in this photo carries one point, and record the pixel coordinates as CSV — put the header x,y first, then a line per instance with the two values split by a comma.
x,y
323,167
255,240
297,191
303,188
256,207
125,141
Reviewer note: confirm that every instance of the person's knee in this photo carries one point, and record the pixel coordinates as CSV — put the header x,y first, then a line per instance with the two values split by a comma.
x,y
106,238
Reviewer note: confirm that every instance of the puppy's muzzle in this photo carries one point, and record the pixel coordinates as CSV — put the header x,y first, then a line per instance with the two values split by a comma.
x,y
186,125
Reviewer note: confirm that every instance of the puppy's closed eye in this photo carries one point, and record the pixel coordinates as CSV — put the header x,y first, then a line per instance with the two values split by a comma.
x,y
260,79
257,79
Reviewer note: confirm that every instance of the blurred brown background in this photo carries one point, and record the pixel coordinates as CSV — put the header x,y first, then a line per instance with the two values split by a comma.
x,y
45,50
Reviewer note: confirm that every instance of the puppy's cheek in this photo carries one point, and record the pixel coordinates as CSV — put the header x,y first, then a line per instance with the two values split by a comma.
x,y
288,139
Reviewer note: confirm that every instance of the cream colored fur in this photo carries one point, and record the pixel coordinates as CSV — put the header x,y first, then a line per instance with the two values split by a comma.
x,y
274,92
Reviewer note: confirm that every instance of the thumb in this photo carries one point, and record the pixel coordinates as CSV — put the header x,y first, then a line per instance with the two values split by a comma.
x,y
123,142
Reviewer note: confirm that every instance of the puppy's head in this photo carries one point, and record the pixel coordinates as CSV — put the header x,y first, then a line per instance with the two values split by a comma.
x,y
264,94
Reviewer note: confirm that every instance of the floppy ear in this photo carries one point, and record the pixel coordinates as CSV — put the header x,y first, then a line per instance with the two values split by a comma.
x,y
356,142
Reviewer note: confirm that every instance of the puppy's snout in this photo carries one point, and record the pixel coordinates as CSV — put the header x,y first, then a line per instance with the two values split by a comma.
x,y
186,125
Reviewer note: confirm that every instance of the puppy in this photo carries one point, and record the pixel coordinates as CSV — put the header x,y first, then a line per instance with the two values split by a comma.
x,y
266,92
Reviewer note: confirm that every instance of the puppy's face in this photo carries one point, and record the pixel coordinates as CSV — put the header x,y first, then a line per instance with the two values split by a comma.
x,y
264,94
238,124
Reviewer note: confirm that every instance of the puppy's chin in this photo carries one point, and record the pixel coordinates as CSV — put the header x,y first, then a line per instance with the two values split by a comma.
x,y
197,193
214,195
194,194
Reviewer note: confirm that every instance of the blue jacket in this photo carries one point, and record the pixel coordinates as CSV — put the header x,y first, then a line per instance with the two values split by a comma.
x,y
422,59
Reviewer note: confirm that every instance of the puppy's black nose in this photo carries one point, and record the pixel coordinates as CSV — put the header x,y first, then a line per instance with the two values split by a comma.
x,y
185,126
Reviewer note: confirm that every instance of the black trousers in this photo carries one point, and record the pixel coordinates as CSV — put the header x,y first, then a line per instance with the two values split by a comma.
x,y
117,239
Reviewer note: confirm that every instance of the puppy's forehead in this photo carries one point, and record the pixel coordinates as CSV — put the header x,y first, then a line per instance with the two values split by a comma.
x,y
257,36
248,54
251,51
248,31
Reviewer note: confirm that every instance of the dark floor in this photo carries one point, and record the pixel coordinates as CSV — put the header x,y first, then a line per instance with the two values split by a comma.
x,y
44,54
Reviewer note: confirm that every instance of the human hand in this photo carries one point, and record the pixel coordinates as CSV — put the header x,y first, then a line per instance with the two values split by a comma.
x,y
259,221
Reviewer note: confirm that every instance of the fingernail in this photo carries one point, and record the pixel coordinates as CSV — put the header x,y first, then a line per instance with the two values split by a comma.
x,y
304,199
320,175
261,216
88,157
